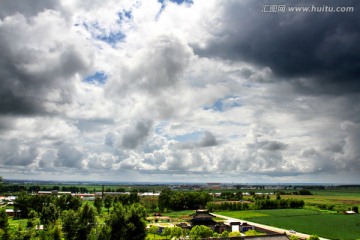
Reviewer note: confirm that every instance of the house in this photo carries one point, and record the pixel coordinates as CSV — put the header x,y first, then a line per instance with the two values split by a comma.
x,y
240,227
203,217
85,196
349,212
53,192
11,212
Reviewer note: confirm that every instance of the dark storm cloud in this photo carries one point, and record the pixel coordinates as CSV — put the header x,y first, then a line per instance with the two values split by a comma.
x,y
272,145
318,51
13,153
6,123
11,7
68,156
207,140
47,159
137,134
335,147
94,124
33,70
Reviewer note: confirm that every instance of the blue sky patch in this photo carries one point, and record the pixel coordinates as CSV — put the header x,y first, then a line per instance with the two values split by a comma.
x,y
124,15
189,137
178,1
163,5
97,78
110,38
223,104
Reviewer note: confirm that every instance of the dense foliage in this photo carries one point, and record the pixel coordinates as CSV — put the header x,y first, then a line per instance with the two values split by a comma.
x,y
66,217
26,202
124,222
170,200
200,232
231,196
4,225
77,225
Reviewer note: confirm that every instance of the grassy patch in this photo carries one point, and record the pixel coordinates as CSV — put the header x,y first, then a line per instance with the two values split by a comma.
x,y
179,214
332,226
242,214
15,223
156,236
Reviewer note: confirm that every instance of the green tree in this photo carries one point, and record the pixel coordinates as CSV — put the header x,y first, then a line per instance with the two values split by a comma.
x,y
98,203
78,225
3,219
154,230
4,225
125,222
67,202
23,203
69,217
355,209
200,231
278,197
239,195
56,232
176,232
136,223
108,202
86,220
33,219
225,234
164,199
93,235
134,197
166,232
304,192
234,234
105,233
227,195
49,214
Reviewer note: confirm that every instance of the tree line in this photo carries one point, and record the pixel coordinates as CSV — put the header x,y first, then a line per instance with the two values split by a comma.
x,y
66,217
34,189
259,204
172,200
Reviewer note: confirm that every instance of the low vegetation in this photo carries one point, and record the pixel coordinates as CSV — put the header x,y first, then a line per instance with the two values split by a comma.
x,y
314,211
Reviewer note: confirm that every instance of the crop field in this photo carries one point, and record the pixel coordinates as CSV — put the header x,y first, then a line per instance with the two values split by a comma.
x,y
332,226
340,199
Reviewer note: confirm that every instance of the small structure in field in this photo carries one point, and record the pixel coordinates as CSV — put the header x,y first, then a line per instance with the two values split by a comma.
x,y
203,217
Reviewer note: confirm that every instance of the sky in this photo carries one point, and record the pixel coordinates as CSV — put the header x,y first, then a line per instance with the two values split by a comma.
x,y
180,91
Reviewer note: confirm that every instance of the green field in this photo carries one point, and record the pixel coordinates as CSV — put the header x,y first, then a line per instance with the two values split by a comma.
x,y
332,226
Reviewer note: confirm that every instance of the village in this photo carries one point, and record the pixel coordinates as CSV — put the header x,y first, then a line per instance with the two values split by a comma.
x,y
161,222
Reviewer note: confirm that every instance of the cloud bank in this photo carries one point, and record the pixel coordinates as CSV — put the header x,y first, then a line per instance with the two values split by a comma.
x,y
179,91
